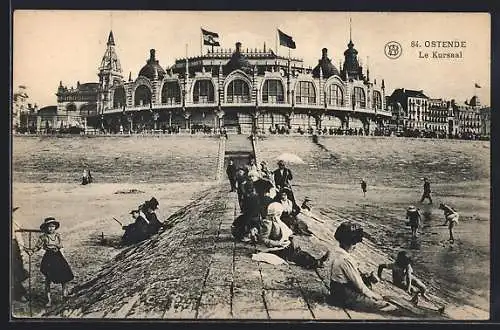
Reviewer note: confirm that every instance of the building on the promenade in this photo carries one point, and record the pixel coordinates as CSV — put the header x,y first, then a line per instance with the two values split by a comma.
x,y
242,90
437,118
75,106
415,106
485,114
466,118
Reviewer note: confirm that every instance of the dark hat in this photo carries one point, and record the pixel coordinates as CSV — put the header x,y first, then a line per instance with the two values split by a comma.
x,y
152,203
281,162
48,221
134,211
402,259
307,199
349,233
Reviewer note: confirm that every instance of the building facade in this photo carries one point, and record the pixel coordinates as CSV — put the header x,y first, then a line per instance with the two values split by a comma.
x,y
241,90
410,107
467,118
485,114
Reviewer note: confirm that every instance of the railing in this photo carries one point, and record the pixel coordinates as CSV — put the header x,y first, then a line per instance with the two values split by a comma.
x,y
220,158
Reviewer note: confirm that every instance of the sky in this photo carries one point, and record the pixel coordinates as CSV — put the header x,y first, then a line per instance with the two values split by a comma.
x,y
54,45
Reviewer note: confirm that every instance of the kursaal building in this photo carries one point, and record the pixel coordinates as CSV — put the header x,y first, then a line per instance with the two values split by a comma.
x,y
240,90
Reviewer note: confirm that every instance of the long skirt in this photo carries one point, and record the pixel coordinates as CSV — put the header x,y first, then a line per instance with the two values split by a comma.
x,y
55,267
19,273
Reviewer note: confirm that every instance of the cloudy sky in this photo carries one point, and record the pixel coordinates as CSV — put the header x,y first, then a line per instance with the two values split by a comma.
x,y
49,46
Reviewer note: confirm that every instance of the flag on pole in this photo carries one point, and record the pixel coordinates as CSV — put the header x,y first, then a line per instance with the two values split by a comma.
x,y
286,40
476,85
210,38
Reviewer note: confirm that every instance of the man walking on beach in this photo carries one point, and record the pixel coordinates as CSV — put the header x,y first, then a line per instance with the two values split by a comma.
x,y
231,174
363,187
427,191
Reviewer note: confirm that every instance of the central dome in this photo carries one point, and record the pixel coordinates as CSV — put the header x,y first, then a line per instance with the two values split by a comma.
x,y
326,66
152,68
238,61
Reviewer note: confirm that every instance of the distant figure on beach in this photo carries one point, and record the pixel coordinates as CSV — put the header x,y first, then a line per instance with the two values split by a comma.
x,y
231,174
347,287
414,219
54,266
451,219
276,235
363,187
121,129
305,204
402,276
86,176
427,191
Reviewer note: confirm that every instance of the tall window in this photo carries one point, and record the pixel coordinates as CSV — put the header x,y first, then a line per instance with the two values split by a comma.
x,y
203,91
142,96
171,93
304,93
238,91
272,91
377,100
119,97
334,95
359,97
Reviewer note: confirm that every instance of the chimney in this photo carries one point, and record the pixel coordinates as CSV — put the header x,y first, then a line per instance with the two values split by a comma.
x,y
238,47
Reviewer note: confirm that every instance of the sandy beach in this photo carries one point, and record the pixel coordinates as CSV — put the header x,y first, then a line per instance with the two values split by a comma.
x,y
43,186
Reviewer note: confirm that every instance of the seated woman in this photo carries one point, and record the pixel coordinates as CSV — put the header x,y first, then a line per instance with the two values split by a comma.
x,y
277,236
290,212
347,288
136,231
402,275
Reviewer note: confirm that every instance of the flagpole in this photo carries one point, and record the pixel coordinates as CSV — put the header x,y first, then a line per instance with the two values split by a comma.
x,y
276,42
201,43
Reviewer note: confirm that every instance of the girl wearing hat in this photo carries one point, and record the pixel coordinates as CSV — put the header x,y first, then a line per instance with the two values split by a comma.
x,y
347,287
414,218
54,266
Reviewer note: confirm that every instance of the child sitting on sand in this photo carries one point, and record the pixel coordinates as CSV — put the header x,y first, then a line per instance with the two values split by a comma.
x,y
402,274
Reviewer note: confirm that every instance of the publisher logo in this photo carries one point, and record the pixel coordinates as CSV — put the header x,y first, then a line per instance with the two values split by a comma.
x,y
393,50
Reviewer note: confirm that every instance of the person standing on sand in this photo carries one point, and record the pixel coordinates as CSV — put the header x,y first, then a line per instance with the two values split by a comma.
x,y
54,265
427,191
414,219
363,187
451,219
231,174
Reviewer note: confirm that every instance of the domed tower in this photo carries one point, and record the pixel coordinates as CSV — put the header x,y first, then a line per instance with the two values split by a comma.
x,y
152,70
110,71
238,61
326,66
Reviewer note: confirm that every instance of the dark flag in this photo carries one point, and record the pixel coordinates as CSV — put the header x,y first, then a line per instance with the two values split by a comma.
x,y
210,38
476,85
286,40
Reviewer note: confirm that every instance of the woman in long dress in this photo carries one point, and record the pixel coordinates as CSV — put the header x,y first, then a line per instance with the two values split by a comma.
x,y
54,266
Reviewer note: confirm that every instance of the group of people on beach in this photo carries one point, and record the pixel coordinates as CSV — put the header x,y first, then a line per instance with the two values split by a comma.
x,y
270,217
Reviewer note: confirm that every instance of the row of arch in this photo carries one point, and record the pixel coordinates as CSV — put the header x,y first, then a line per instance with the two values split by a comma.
x,y
238,91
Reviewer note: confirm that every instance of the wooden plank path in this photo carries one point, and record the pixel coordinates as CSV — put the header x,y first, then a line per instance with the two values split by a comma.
x,y
197,271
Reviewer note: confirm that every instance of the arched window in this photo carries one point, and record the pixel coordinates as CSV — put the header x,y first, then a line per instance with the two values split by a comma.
x,y
334,95
203,91
272,91
377,100
359,97
71,107
119,97
142,96
238,91
304,93
171,93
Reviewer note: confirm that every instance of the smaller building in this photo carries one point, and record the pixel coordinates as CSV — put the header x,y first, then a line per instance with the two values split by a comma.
x,y
485,114
436,119
415,107
467,118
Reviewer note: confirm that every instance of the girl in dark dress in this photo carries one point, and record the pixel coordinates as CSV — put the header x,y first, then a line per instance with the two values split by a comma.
x,y
54,266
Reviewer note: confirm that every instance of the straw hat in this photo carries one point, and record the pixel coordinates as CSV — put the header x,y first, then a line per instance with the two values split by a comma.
x,y
412,208
48,221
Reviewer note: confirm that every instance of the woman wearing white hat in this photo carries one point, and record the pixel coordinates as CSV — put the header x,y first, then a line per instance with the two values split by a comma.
x,y
414,219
